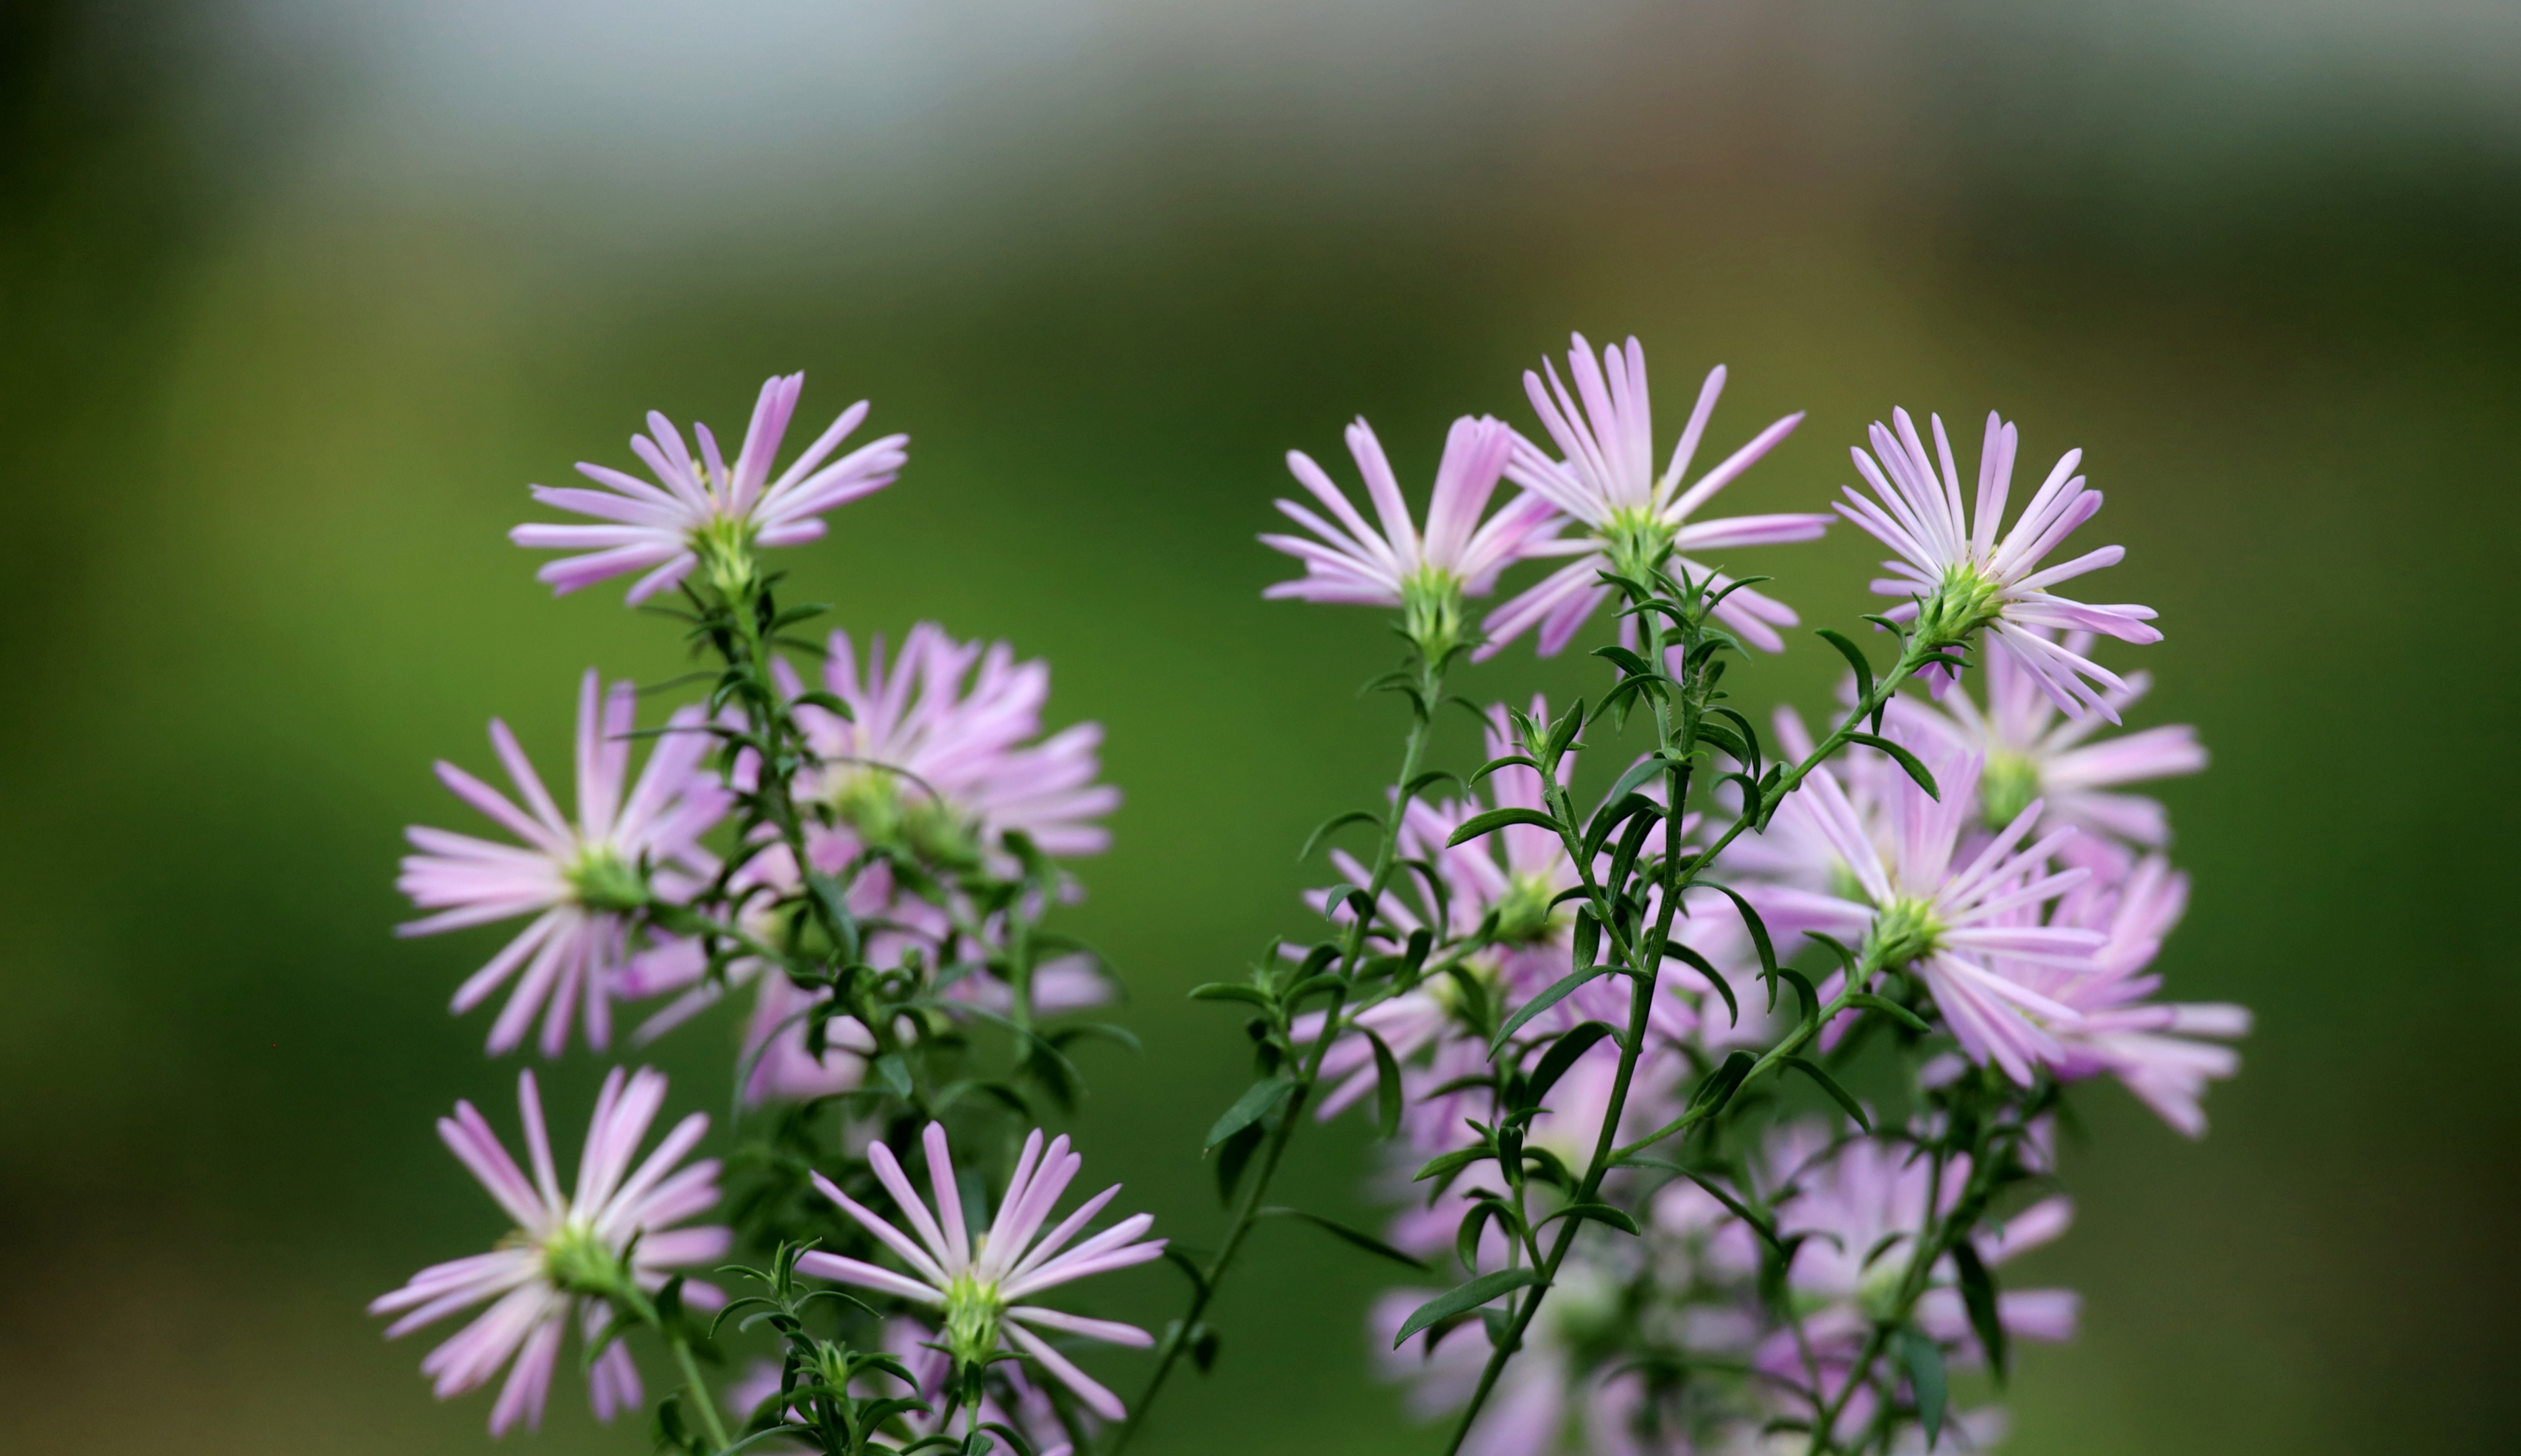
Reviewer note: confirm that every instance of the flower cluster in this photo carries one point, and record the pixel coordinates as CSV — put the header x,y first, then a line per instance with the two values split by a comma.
x,y
1717,1065
872,849
1556,1007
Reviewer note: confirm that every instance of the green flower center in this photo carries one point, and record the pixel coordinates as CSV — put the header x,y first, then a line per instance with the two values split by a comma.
x,y
1966,600
1637,543
2006,786
600,879
576,1261
1904,932
873,803
725,548
1430,613
971,1311
1523,912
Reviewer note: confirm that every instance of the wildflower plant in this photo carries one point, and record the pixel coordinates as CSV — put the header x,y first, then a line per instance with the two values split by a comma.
x,y
1717,1083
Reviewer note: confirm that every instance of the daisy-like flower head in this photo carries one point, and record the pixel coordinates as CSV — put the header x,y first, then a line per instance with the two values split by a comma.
x,y
707,512
2029,755
974,1281
1860,1208
1426,575
1960,579
579,1256
2163,1051
1909,906
941,769
583,880
1634,518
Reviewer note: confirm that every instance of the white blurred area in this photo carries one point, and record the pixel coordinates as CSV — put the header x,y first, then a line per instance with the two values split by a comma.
x,y
654,120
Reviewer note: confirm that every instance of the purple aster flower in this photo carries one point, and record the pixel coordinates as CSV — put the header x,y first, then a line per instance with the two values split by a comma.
x,y
1427,576
2152,1047
1961,578
1911,907
573,1259
930,764
976,1280
704,510
2031,755
583,881
1607,483
1860,1206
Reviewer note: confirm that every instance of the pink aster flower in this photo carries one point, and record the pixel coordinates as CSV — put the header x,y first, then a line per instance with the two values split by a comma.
x,y
1606,481
2154,1048
2031,755
1861,1208
572,1257
583,881
1458,556
936,756
976,1280
704,508
1917,910
1962,578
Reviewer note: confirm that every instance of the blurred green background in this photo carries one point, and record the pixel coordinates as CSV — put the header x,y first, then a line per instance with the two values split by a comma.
x,y
296,299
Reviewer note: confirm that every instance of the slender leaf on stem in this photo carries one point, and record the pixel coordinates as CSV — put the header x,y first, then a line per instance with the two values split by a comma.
x,y
1978,1293
1908,762
1256,1103
1924,1360
1892,1009
1564,987
1227,991
1331,826
1464,1298
1830,1084
1715,977
1598,1213
1562,1055
1335,1228
1386,1084
1496,819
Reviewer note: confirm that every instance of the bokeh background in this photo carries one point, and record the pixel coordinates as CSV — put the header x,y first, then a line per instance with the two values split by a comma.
x,y
295,298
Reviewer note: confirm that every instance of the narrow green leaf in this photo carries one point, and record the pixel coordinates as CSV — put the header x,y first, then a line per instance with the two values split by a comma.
x,y
1232,1158
1757,1222
1726,739
1924,1360
1856,660
1452,1163
1718,1086
1562,1055
1496,819
1428,779
1510,760
1639,773
1227,991
1335,1228
1713,977
1331,826
1387,1085
1623,658
1892,1009
1255,1104
1564,987
895,1073
1907,760
1564,731
1978,1293
1190,1270
1830,1084
1599,1214
1464,1298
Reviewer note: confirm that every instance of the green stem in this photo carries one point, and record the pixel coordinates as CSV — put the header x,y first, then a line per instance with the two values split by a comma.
x,y
1645,967
701,1398
1247,1207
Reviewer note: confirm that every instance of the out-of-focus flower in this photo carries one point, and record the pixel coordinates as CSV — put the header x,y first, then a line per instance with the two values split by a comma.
x,y
2150,1046
1911,907
583,881
1606,481
1426,575
2031,755
1862,1206
974,1281
705,513
579,1256
1961,578
928,765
